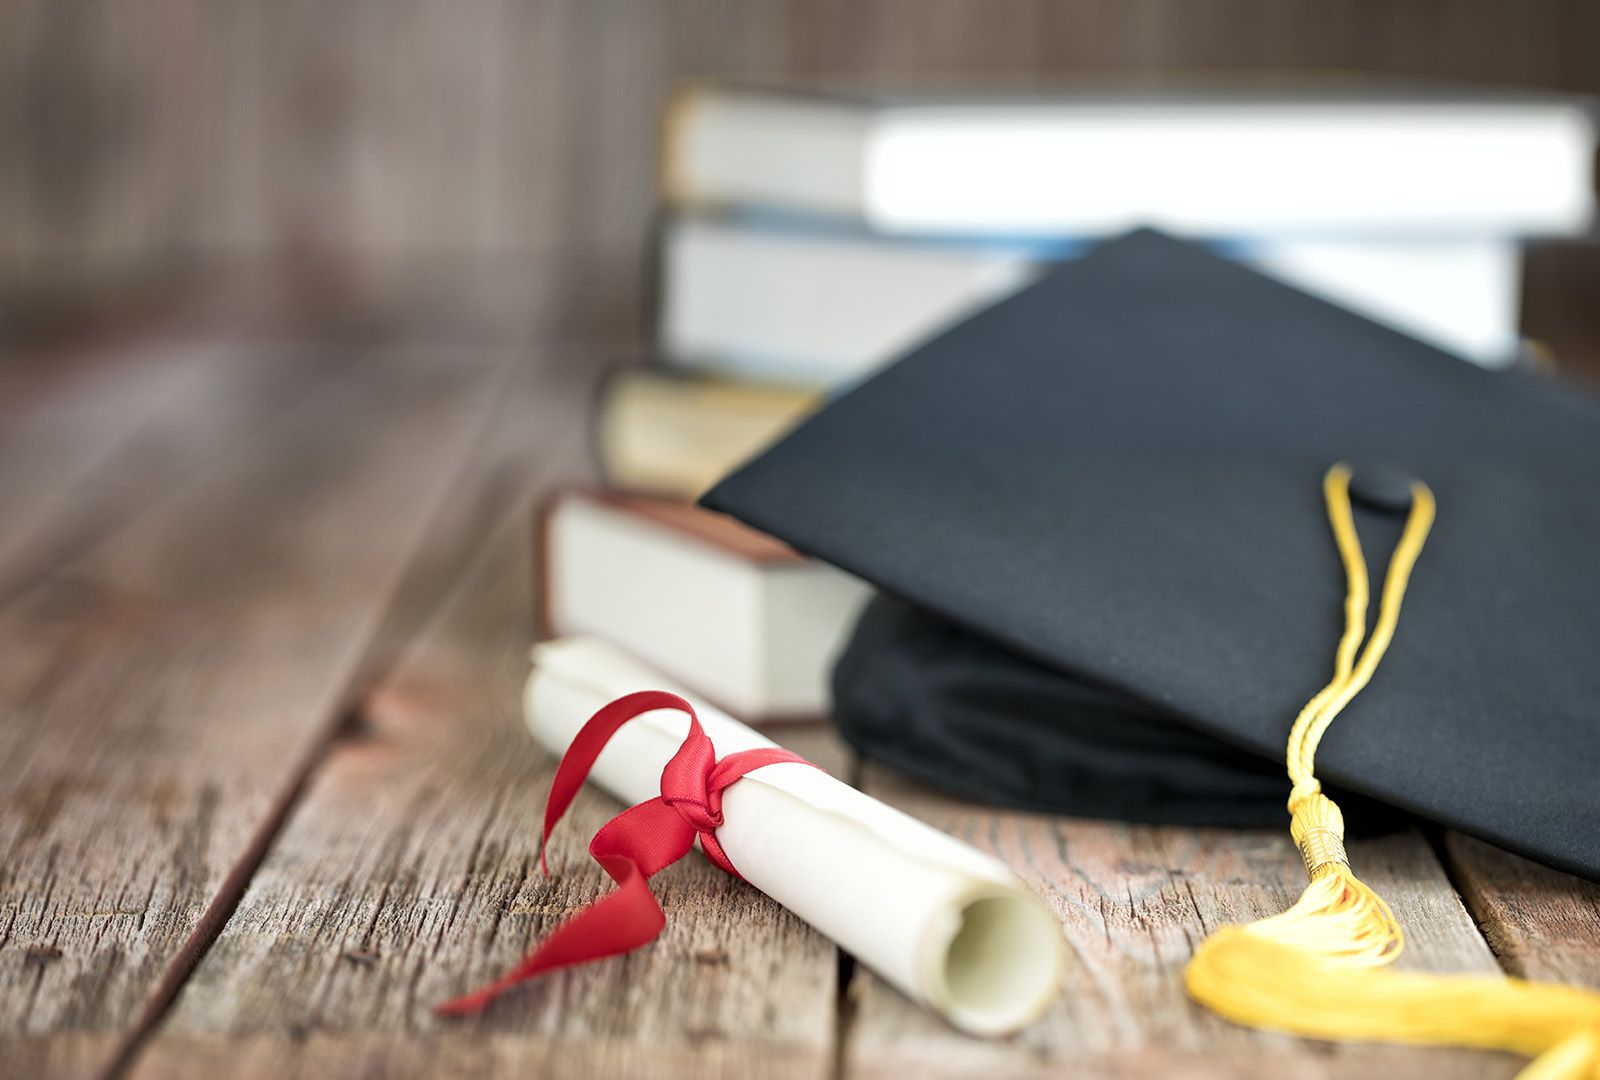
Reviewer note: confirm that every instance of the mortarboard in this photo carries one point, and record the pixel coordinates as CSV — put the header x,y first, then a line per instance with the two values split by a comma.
x,y
1098,502
1114,513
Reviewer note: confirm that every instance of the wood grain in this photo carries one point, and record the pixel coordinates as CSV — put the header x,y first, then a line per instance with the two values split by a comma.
x,y
188,663
409,874
129,434
1135,901
51,439
160,694
1542,924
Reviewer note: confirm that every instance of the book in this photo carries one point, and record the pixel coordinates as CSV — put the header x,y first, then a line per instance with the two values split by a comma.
x,y
731,613
1361,161
764,299
678,433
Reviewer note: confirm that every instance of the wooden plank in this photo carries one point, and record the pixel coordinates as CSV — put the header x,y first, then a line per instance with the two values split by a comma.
x,y
1541,923
127,434
160,695
1135,900
57,424
409,874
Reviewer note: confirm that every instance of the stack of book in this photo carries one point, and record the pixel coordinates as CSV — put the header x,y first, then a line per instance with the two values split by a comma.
x,y
809,239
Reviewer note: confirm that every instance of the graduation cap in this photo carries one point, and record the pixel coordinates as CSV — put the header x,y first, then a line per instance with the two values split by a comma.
x,y
1106,517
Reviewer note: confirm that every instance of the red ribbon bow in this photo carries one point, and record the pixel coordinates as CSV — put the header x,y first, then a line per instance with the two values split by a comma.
x,y
633,846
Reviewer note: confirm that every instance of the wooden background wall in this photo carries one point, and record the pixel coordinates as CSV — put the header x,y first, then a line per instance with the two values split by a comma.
x,y
387,142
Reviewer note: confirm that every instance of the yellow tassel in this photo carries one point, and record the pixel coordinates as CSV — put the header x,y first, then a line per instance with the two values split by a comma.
x,y
1318,969
1263,983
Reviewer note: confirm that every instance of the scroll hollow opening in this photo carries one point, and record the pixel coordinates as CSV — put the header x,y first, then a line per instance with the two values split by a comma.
x,y
1003,964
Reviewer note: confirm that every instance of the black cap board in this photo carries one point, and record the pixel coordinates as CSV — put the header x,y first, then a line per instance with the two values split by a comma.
x,y
1113,480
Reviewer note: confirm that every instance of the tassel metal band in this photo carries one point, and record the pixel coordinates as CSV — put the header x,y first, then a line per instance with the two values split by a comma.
x,y
1321,848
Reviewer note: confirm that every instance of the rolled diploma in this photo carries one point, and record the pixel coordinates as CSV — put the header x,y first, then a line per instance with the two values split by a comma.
x,y
949,926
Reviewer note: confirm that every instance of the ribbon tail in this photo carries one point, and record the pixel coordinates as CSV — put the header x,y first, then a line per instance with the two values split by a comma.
x,y
632,847
585,748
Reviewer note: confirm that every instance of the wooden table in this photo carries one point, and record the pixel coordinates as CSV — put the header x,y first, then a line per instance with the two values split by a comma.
x,y
265,796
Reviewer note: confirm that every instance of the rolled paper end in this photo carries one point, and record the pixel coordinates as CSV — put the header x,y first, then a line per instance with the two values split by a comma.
x,y
997,966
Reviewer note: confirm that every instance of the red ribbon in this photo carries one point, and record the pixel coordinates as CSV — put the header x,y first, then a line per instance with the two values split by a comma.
x,y
633,846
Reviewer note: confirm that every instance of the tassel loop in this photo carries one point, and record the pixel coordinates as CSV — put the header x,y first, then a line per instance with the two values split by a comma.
x,y
1304,789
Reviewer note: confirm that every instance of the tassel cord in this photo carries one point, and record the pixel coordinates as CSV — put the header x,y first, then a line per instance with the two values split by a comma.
x,y
1319,969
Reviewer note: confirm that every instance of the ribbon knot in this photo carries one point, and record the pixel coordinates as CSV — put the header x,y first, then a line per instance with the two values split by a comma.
x,y
687,786
699,813
636,844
